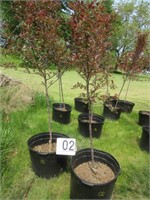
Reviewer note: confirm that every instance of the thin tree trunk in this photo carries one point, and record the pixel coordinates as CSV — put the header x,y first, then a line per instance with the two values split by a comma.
x,y
48,109
89,104
121,90
107,84
61,95
90,121
91,136
127,90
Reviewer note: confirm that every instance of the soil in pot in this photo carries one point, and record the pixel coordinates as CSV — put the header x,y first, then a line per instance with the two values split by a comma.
x,y
97,125
45,163
61,114
100,173
45,148
87,121
80,105
61,109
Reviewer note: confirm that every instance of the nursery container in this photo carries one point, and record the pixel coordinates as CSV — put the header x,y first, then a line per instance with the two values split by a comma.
x,y
113,115
61,115
81,189
45,164
97,125
144,118
125,106
80,105
144,142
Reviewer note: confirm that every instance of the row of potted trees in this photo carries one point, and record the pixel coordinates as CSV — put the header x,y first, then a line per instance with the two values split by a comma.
x,y
42,46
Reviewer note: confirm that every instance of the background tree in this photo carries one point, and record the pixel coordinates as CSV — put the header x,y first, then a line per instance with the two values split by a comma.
x,y
133,17
108,4
8,21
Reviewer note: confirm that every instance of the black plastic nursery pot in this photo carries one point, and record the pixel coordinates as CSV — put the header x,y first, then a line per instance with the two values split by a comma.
x,y
125,106
113,115
144,118
144,142
60,115
80,105
44,164
97,125
81,189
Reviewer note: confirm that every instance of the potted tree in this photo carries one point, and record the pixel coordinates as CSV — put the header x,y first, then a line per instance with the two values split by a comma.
x,y
61,111
90,25
132,63
109,109
35,43
86,42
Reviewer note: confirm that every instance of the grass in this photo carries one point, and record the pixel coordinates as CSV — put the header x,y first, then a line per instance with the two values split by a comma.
x,y
119,138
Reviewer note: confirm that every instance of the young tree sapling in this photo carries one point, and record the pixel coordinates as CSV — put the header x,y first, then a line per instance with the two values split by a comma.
x,y
91,28
36,42
133,62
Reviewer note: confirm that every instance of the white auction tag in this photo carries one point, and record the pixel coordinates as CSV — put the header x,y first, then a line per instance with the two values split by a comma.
x,y
66,146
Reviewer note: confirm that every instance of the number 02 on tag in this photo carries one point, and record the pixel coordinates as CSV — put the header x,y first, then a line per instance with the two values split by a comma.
x,y
66,146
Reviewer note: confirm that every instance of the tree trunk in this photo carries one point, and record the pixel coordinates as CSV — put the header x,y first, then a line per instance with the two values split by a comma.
x,y
90,120
127,89
123,84
61,94
48,109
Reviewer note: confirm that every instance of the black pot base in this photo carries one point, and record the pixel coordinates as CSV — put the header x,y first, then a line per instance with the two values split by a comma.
x,y
144,141
61,116
144,118
80,105
113,115
83,125
125,106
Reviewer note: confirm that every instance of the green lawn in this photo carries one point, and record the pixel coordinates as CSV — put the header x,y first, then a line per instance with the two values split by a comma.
x,y
120,138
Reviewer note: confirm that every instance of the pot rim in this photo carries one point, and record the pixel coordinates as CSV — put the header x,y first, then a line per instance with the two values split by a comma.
x,y
125,101
80,99
94,115
43,134
146,128
117,108
146,112
68,107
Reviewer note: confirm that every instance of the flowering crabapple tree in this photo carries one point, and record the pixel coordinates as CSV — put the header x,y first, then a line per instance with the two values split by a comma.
x,y
133,62
39,41
91,29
